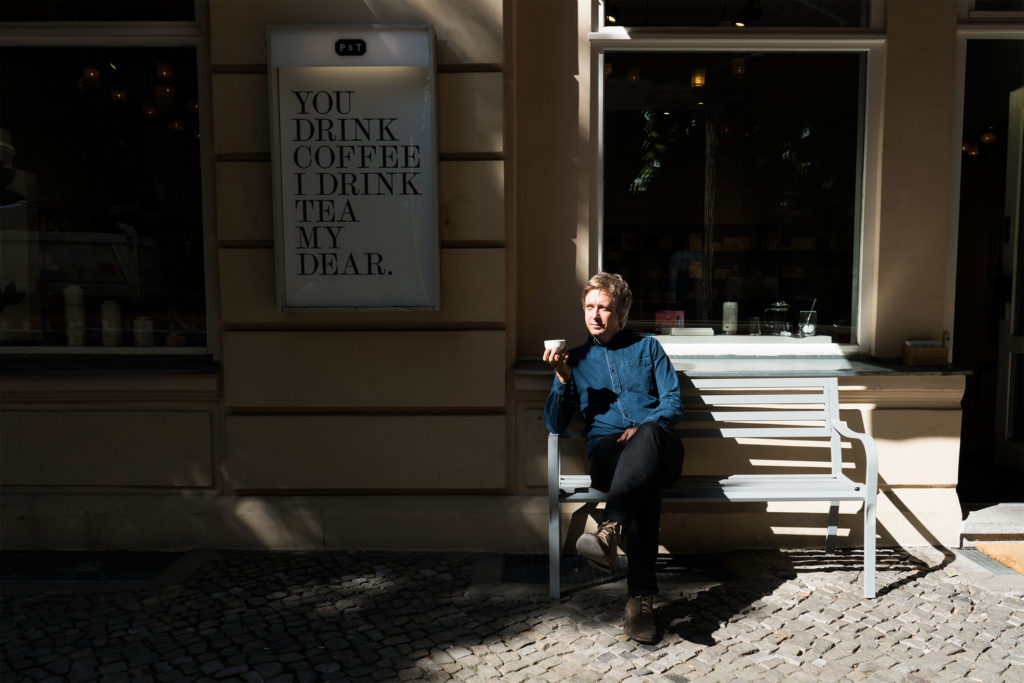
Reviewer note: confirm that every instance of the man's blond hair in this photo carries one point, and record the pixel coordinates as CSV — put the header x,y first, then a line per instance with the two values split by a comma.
x,y
616,288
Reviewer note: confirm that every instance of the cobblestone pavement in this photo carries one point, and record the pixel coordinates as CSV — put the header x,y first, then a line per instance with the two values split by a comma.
x,y
375,616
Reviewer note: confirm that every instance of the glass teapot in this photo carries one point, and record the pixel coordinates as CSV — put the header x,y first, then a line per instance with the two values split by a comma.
x,y
776,318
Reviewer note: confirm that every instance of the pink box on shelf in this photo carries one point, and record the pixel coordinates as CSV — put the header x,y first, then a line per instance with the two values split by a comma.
x,y
668,319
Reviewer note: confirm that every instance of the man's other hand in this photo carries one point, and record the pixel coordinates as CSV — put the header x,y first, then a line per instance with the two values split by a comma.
x,y
627,435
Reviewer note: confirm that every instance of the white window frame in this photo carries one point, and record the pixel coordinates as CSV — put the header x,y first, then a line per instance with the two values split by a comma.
x,y
966,13
140,34
612,39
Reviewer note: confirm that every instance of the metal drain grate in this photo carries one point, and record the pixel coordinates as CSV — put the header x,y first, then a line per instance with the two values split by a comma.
x,y
984,561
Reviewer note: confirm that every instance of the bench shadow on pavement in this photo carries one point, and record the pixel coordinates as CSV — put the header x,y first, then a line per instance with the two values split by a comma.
x,y
700,593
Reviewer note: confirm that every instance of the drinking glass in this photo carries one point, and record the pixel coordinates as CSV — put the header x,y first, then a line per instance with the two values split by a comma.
x,y
808,323
755,325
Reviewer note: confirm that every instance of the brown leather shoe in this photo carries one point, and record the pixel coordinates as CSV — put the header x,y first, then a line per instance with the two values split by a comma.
x,y
639,624
601,548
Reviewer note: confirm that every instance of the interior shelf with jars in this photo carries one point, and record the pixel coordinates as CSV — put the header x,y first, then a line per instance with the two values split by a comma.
x,y
755,265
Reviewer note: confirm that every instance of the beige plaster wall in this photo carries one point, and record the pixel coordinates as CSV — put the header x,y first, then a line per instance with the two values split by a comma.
x,y
368,411
357,370
553,168
158,521
468,31
366,401
919,99
125,431
274,461
107,447
409,452
322,403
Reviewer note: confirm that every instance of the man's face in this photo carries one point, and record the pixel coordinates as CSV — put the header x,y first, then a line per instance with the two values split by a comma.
x,y
603,321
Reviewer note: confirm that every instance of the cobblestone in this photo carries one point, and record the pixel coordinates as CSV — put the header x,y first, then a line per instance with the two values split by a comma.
x,y
375,616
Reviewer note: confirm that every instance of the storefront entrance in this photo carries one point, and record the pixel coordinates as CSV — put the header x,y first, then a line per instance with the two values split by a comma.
x,y
990,295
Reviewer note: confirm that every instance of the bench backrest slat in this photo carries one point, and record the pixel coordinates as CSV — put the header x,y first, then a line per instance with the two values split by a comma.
x,y
756,416
758,408
818,383
752,399
756,432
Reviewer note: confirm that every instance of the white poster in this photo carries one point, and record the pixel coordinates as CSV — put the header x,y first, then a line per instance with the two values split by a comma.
x,y
355,175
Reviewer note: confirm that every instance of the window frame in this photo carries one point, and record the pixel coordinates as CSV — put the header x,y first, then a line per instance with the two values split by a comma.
x,y
140,34
613,39
968,14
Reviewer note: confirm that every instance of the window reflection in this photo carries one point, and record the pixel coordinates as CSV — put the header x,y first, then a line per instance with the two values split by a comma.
x,y
100,224
734,177
737,13
97,10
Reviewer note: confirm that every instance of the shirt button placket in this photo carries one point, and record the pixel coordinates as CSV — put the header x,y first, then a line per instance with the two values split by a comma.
x,y
617,388
611,370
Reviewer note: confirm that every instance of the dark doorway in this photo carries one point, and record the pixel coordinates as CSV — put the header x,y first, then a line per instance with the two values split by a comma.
x,y
994,69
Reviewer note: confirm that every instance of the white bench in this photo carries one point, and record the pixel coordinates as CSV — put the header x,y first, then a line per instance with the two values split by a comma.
x,y
761,408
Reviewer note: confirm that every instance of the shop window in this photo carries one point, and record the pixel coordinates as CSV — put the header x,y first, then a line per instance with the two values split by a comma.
x,y
1016,6
741,13
735,177
101,231
97,10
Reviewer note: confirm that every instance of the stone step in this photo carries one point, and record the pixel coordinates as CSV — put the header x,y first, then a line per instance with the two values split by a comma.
x,y
1001,522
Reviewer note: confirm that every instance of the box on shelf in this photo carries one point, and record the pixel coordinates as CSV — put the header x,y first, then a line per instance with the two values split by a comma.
x,y
665,320
914,354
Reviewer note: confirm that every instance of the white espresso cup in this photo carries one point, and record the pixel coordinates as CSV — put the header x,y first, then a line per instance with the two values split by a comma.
x,y
557,344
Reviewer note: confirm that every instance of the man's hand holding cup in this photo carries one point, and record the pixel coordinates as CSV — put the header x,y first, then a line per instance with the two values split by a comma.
x,y
556,356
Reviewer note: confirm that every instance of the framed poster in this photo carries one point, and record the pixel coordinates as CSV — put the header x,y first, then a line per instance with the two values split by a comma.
x,y
354,167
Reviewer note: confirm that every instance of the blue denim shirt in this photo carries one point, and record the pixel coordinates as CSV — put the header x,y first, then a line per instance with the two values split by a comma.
x,y
623,384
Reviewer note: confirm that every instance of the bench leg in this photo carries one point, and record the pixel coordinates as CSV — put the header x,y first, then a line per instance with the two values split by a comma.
x,y
554,549
833,527
869,547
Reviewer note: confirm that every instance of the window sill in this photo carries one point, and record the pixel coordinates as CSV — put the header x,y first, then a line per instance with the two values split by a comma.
x,y
103,351
756,346
768,356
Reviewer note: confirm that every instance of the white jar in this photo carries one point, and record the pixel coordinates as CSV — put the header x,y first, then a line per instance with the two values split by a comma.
x,y
730,311
73,295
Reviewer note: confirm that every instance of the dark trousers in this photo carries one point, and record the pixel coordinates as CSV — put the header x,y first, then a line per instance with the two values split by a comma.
x,y
635,473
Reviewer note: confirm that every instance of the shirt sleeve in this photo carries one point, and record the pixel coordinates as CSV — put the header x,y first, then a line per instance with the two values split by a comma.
x,y
562,404
670,403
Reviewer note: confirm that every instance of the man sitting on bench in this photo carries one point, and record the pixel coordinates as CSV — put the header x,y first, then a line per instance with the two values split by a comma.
x,y
628,392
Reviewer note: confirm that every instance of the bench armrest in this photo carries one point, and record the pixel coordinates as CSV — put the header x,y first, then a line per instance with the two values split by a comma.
x,y
870,456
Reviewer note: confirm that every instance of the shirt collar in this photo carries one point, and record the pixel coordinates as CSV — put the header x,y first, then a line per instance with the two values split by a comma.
x,y
621,338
